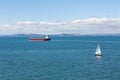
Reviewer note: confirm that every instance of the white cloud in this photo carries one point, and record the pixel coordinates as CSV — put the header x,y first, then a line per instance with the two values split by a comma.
x,y
100,21
83,26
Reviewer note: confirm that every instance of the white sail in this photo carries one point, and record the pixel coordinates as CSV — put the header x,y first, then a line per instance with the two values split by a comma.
x,y
98,51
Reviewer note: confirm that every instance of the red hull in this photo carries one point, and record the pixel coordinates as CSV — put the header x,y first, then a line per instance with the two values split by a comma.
x,y
39,39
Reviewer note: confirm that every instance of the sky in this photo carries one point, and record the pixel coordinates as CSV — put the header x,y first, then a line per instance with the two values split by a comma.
x,y
59,16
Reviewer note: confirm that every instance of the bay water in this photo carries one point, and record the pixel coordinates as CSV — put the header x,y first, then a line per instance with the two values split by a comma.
x,y
62,58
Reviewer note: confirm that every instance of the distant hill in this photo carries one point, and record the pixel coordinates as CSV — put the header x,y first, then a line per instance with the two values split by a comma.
x,y
63,34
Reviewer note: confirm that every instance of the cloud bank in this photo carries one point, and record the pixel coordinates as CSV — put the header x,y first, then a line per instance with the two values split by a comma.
x,y
80,26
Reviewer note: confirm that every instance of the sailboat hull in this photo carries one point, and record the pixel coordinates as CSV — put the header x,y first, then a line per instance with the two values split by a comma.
x,y
98,55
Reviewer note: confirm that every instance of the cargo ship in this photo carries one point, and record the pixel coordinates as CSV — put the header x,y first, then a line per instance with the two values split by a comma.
x,y
45,38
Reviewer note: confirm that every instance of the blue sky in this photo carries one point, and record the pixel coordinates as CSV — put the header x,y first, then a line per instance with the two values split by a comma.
x,y
42,12
56,10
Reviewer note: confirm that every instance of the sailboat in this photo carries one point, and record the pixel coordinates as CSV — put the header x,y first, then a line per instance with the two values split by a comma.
x,y
98,51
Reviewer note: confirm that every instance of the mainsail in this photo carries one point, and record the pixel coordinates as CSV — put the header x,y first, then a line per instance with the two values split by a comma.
x,y
98,51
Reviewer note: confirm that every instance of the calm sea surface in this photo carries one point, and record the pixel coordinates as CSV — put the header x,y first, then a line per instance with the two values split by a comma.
x,y
62,58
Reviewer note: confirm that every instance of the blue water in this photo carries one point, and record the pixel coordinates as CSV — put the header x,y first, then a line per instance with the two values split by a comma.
x,y
62,58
